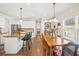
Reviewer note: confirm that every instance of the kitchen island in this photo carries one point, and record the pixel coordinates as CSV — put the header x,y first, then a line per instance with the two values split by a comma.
x,y
12,44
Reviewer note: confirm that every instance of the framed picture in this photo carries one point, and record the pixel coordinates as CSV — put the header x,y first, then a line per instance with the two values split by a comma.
x,y
47,25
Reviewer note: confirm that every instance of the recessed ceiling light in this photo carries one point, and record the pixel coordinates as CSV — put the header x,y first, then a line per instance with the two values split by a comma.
x,y
28,4
21,21
33,15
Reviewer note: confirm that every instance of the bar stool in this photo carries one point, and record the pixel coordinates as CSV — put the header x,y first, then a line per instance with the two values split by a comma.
x,y
25,39
30,40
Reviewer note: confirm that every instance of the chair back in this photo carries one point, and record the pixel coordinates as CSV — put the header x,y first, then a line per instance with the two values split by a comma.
x,y
25,37
69,49
30,33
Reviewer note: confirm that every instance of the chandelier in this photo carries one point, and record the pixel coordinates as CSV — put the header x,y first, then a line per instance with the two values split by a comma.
x,y
54,17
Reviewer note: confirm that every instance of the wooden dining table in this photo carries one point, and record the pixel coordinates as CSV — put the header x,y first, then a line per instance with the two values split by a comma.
x,y
52,42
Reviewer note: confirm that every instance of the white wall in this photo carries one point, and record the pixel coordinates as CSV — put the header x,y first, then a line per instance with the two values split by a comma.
x,y
29,24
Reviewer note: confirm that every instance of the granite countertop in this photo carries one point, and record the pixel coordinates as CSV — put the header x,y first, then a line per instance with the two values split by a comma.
x,y
13,36
3,33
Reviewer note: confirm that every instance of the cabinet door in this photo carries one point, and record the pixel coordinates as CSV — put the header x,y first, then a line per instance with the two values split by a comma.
x,y
14,28
77,36
38,27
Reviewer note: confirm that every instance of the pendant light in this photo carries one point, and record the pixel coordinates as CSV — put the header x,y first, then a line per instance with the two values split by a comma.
x,y
19,29
21,16
54,17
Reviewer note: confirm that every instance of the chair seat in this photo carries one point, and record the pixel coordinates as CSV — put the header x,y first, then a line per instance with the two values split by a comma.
x,y
58,52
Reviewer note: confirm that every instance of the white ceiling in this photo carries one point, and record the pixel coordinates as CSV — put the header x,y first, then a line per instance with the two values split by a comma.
x,y
34,10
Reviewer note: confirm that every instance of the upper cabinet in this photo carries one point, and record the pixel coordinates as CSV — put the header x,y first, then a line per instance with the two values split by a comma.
x,y
38,27
2,23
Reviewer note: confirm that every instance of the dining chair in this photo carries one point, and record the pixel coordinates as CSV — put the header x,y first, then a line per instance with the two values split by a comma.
x,y
69,49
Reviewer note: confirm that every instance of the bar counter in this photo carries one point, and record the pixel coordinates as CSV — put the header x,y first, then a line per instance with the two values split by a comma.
x,y
13,43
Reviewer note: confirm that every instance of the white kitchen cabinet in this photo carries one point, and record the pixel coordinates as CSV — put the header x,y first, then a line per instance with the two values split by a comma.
x,y
12,45
38,27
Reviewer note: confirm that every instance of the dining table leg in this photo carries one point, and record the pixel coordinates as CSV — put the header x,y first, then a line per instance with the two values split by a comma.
x,y
51,51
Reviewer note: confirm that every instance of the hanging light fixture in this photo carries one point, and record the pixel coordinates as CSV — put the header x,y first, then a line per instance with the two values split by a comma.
x,y
54,18
21,16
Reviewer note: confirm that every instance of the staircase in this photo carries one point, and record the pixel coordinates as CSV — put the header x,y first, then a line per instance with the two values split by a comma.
x,y
2,52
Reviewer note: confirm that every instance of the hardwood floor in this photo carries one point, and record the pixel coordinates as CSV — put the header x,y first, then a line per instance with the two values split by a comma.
x,y
2,52
35,50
